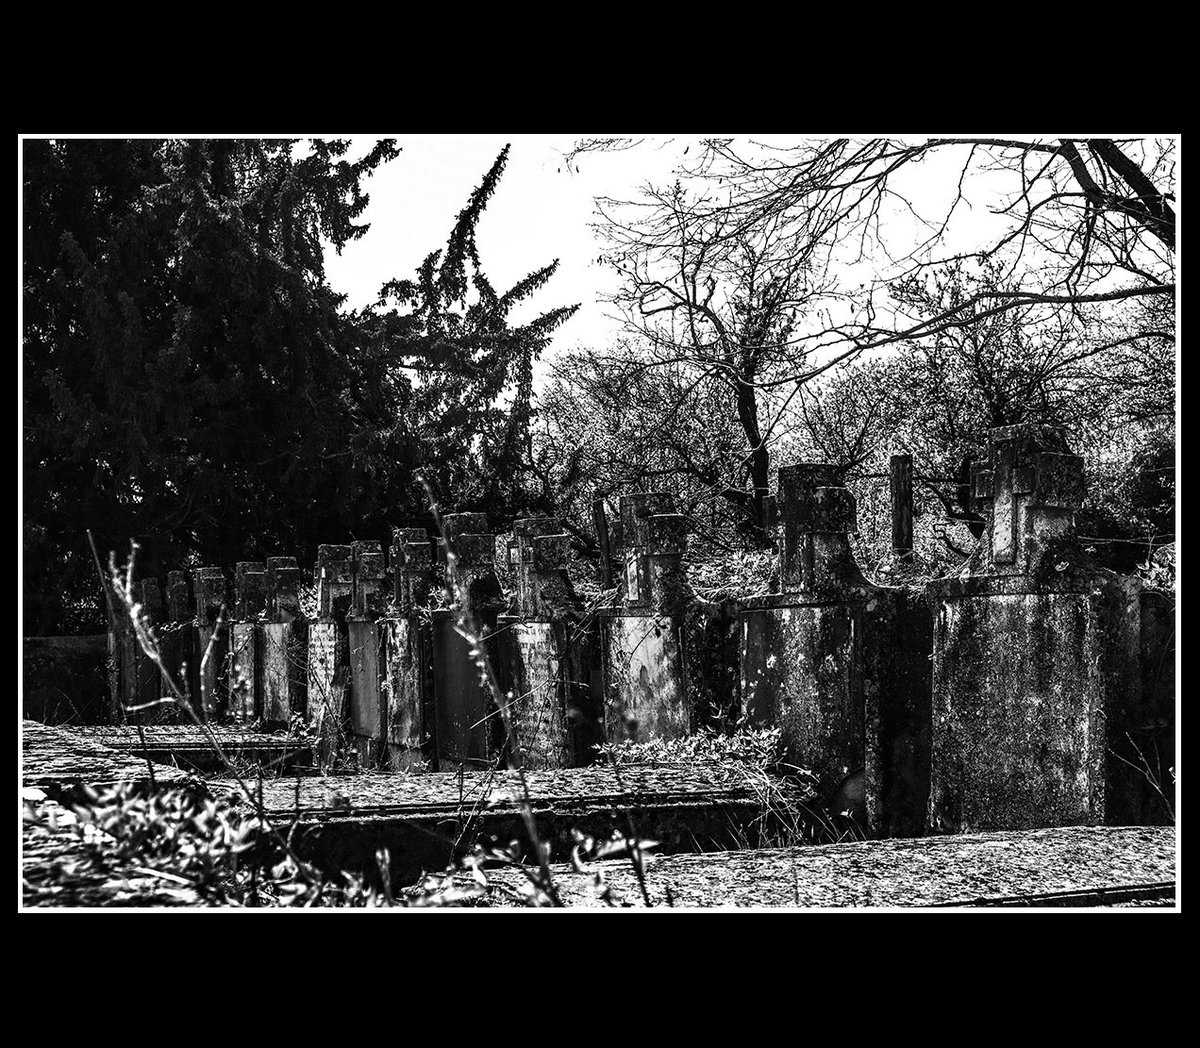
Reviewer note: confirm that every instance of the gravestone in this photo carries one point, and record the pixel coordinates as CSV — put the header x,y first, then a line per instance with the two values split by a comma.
x,y
644,676
366,708
174,640
1037,676
149,677
285,645
407,656
122,661
542,644
210,643
839,664
329,651
245,642
470,731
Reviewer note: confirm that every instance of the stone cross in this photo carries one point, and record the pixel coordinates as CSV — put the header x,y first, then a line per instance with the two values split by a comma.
x,y
816,512
473,547
211,589
412,562
152,600
249,590
335,579
179,598
540,548
368,579
283,588
1029,488
654,538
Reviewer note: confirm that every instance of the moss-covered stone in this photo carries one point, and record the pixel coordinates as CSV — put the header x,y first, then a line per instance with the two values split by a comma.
x,y
1037,675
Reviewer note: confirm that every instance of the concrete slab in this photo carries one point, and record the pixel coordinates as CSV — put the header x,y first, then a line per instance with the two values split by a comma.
x,y
1074,866
424,819
186,746
61,760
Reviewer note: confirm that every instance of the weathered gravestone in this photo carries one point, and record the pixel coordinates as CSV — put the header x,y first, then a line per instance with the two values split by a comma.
x,y
645,670
407,667
470,730
545,650
122,662
209,644
63,679
285,645
149,677
1039,714
839,664
174,639
366,707
136,682
329,651
245,642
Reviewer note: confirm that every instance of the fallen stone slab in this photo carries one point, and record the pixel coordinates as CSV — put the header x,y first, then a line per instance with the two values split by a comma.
x,y
187,746
424,820
61,761
1074,866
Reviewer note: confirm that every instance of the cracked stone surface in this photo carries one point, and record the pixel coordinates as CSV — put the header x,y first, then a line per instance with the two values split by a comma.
x,y
1095,865
187,738
64,758
1068,866
366,795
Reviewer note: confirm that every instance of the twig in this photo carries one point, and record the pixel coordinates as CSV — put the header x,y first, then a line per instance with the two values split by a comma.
x,y
149,645
469,630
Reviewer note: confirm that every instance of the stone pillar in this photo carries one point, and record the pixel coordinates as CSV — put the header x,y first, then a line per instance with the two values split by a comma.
x,y
1152,733
469,730
174,637
538,643
285,645
838,664
329,651
1036,675
802,657
645,682
366,700
210,644
901,491
245,642
408,673
122,661
149,678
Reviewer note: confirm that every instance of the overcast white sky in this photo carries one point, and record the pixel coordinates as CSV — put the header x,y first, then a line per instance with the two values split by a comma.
x,y
541,211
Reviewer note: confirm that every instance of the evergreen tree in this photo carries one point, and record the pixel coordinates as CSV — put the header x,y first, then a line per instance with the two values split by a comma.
x,y
474,393
193,382
189,379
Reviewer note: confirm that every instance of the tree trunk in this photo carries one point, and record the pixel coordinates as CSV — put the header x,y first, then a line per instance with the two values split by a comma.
x,y
758,456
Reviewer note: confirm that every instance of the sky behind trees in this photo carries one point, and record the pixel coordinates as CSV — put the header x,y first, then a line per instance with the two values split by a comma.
x,y
540,212
545,206
120,334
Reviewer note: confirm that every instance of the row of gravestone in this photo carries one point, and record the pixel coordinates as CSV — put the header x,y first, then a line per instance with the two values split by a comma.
x,y
1027,691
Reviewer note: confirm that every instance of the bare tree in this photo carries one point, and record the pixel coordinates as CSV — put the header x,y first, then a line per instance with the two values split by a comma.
x,y
1073,223
616,420
1037,277
719,301
1108,380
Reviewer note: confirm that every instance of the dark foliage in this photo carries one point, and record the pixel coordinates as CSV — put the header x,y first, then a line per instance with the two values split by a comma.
x,y
192,381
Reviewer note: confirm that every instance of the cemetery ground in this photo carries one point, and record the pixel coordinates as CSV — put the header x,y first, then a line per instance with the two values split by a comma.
x,y
103,827
830,742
